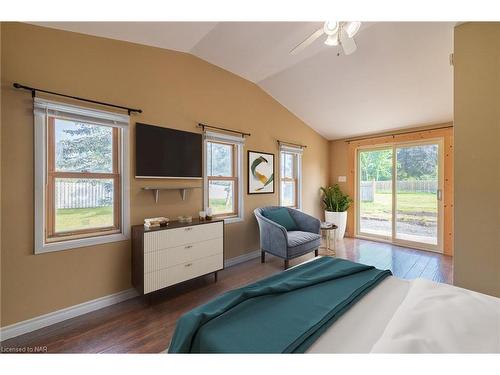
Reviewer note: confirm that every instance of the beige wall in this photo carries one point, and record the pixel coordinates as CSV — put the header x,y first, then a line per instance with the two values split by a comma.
x,y
338,154
477,173
175,90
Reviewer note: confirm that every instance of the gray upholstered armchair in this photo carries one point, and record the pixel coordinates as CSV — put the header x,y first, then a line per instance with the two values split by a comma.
x,y
275,239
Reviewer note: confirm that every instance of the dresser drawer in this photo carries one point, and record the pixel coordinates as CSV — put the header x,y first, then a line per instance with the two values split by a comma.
x,y
196,233
168,238
193,269
182,272
165,258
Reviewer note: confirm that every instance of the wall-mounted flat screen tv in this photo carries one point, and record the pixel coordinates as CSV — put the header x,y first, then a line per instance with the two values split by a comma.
x,y
167,153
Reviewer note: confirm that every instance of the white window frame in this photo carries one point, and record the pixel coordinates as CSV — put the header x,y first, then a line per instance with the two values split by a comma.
x,y
297,152
42,110
238,142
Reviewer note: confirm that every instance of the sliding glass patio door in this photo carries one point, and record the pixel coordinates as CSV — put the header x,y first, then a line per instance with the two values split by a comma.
x,y
375,213
399,194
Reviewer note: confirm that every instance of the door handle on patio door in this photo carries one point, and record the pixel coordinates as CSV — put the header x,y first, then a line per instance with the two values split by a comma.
x,y
439,194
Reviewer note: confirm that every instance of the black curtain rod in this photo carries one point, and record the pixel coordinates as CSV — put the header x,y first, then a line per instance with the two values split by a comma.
x,y
34,90
291,144
374,136
203,126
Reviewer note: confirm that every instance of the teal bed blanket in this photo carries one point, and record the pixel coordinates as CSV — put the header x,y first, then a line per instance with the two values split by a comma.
x,y
284,313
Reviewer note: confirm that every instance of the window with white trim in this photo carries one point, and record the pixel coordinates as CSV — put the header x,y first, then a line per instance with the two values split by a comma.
x,y
291,176
81,176
223,186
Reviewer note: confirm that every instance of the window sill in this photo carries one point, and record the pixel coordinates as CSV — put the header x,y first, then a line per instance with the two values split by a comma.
x,y
41,248
293,207
232,219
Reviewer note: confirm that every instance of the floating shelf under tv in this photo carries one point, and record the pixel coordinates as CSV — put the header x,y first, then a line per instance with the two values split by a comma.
x,y
182,190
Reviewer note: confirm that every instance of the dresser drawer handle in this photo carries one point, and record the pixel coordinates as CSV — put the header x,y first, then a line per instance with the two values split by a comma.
x,y
188,228
188,247
188,264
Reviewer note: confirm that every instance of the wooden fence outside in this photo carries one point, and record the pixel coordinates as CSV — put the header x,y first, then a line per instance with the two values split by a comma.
x,y
367,191
83,193
369,188
410,186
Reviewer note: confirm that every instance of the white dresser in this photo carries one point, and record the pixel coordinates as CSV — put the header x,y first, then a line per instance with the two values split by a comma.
x,y
165,256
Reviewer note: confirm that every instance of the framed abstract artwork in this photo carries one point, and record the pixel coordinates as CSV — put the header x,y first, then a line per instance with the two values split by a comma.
x,y
260,173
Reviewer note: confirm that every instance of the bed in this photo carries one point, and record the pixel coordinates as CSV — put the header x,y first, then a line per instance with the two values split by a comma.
x,y
336,306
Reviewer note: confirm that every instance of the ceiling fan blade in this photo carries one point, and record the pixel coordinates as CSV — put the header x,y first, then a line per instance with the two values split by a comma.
x,y
348,44
311,38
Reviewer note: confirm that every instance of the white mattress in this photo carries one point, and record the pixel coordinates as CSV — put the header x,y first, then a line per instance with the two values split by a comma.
x,y
441,318
363,324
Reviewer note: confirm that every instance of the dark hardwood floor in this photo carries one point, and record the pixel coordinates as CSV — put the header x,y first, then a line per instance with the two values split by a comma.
x,y
140,325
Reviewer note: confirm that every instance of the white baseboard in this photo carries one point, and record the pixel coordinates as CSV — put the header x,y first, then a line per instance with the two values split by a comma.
x,y
46,320
242,258
64,314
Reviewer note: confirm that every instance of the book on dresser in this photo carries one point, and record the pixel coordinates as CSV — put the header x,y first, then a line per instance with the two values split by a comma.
x,y
165,256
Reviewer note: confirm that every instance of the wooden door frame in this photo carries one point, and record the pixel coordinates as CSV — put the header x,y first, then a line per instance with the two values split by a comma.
x,y
444,133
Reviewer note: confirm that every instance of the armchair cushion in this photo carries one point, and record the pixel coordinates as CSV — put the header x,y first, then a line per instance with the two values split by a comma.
x,y
297,237
302,242
282,217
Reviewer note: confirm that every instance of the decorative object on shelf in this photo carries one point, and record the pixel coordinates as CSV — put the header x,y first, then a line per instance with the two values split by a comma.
x,y
260,173
209,213
154,222
182,190
185,219
202,215
336,205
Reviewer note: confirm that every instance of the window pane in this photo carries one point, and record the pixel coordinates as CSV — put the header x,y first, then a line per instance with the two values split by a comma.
x,y
287,193
282,164
221,196
219,159
375,192
417,183
81,147
287,170
82,204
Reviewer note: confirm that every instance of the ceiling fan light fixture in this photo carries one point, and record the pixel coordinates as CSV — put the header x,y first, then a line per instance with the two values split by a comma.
x,y
331,27
332,40
352,28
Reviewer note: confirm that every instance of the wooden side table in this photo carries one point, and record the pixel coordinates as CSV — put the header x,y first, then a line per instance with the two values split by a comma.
x,y
328,230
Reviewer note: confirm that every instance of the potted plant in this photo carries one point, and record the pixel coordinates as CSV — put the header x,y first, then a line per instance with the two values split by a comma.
x,y
336,205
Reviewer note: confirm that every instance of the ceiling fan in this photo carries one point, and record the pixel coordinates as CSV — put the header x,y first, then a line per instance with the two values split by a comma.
x,y
338,34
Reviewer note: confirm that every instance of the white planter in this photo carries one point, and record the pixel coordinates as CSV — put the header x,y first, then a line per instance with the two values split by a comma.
x,y
339,219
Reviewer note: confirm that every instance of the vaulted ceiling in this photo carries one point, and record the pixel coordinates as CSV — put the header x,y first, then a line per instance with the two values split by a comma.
x,y
399,77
